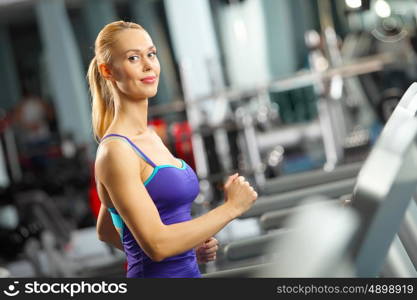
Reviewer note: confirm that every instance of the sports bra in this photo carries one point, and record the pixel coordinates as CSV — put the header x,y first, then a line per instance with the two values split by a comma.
x,y
172,189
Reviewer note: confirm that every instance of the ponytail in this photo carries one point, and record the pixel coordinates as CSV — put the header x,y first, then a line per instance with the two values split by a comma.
x,y
102,104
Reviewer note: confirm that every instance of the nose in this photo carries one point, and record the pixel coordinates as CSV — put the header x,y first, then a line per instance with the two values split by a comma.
x,y
147,65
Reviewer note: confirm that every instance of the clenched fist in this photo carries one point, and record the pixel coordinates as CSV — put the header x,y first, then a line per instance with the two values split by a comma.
x,y
239,194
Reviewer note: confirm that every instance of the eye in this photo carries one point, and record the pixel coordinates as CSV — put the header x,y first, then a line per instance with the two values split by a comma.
x,y
153,53
133,58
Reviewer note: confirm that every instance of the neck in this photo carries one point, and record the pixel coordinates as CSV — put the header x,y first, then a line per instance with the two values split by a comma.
x,y
131,116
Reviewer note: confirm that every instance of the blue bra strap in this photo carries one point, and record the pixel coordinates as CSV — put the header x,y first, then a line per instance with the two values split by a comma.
x,y
136,148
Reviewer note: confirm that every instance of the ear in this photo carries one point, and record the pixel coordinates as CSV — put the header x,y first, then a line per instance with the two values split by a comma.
x,y
105,71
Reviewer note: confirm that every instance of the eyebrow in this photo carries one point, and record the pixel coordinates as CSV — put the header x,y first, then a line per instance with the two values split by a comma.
x,y
138,50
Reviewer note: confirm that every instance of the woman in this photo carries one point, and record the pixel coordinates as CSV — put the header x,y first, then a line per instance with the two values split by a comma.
x,y
147,193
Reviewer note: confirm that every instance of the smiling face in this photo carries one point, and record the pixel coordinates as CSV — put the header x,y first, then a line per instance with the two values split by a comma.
x,y
134,67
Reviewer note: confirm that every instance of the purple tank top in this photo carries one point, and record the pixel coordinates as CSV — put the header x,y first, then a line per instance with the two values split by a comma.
x,y
172,189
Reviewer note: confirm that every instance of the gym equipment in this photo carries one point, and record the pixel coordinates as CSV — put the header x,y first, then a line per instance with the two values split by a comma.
x,y
181,136
301,79
273,216
404,113
16,228
8,149
380,198
315,246
407,233
311,178
381,205
293,198
252,143
58,249
47,213
252,247
398,263
213,159
250,147
406,108
318,246
329,93
278,218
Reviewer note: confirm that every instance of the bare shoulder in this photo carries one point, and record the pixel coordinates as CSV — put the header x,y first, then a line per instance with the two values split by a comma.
x,y
114,156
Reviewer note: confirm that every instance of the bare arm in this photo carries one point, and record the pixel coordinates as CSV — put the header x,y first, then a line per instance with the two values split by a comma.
x,y
105,229
118,169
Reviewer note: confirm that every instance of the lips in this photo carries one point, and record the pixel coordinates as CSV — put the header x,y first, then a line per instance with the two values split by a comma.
x,y
149,79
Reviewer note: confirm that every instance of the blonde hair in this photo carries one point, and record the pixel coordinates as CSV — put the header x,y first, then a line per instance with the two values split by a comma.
x,y
102,103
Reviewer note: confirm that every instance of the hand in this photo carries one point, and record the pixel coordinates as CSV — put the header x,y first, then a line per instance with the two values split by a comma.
x,y
228,183
239,194
207,251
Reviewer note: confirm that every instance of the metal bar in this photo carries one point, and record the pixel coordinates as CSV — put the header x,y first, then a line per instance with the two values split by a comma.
x,y
252,247
381,204
279,218
300,79
244,272
311,178
293,198
408,232
12,155
288,136
398,263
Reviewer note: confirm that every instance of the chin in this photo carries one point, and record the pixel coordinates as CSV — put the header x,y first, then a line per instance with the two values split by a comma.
x,y
153,94
149,94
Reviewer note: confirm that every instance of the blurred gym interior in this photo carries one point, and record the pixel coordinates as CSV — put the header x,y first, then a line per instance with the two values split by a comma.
x,y
313,101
